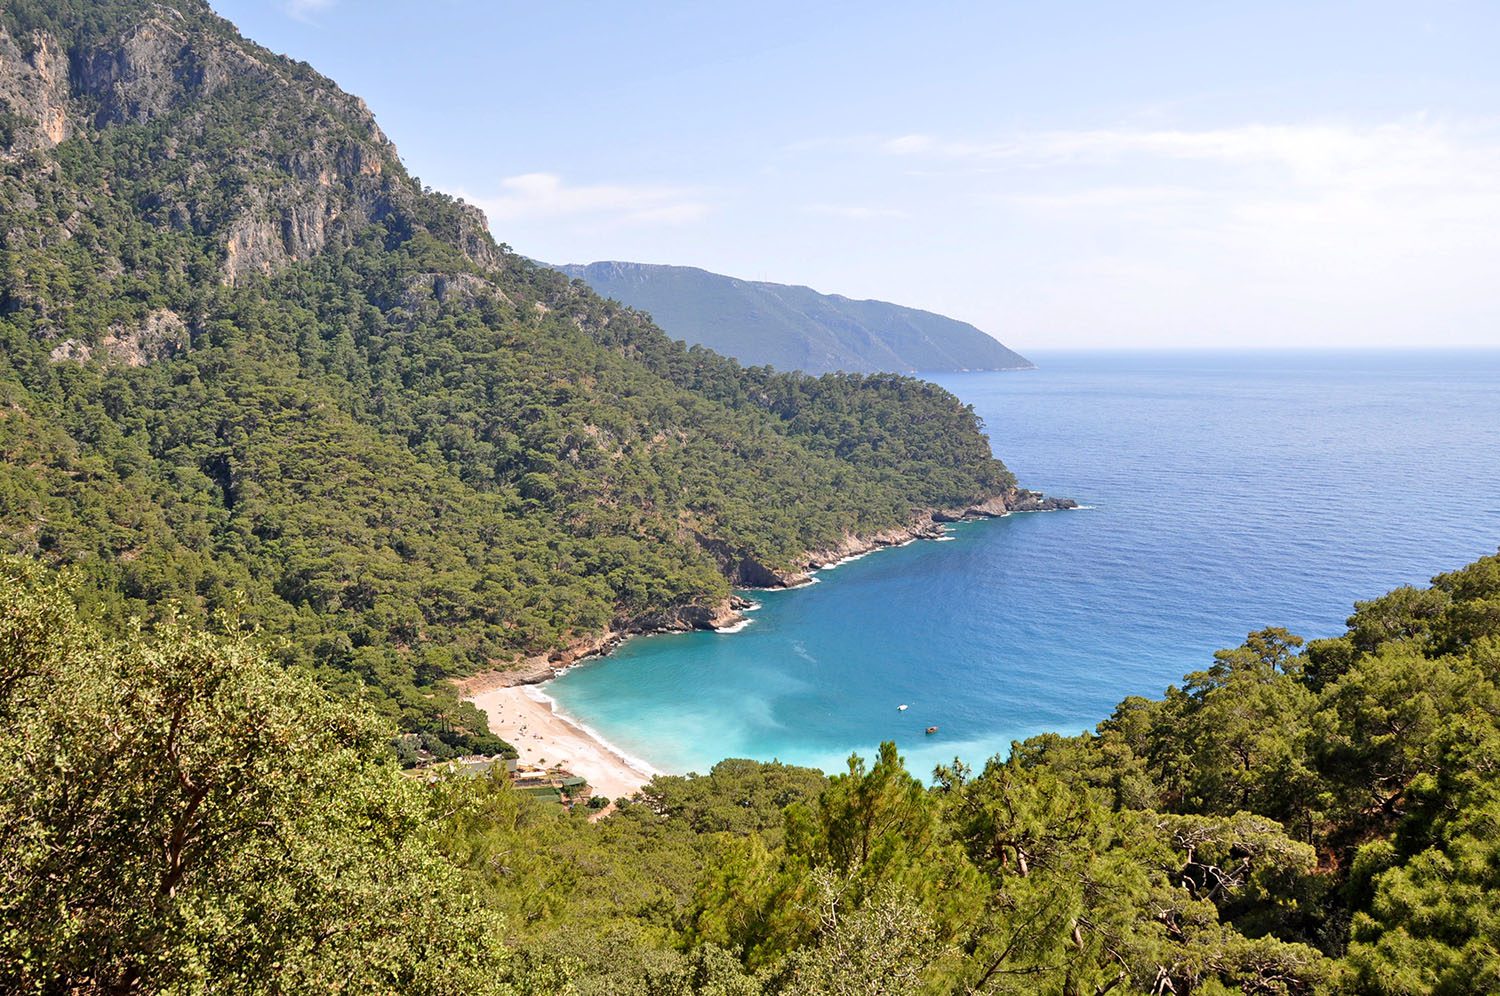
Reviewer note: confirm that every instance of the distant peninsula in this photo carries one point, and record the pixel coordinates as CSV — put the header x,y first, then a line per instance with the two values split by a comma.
x,y
795,328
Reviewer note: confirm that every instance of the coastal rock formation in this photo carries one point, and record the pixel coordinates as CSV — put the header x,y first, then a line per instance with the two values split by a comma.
x,y
925,524
542,667
1022,500
1014,500
744,571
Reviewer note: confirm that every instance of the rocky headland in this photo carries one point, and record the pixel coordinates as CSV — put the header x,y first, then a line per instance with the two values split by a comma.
x,y
744,571
541,667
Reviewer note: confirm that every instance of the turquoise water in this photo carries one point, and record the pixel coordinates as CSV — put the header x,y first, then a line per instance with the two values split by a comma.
x,y
1228,492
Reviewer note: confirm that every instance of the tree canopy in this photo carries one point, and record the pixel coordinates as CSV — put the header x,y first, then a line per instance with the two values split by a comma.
x,y
186,815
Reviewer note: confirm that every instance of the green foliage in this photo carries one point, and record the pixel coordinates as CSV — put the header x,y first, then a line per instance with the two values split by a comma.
x,y
736,796
1431,917
1272,828
182,817
186,818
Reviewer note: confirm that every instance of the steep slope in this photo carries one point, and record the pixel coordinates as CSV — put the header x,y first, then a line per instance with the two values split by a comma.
x,y
252,369
795,328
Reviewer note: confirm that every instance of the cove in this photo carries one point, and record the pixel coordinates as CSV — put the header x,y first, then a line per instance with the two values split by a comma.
x,y
1226,492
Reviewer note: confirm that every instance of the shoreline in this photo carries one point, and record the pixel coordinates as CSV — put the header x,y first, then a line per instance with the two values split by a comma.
x,y
746,574
529,720
545,737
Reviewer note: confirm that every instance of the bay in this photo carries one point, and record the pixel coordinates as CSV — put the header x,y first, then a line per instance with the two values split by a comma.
x,y
1225,492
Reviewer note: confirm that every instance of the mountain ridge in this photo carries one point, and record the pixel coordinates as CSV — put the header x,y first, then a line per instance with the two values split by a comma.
x,y
792,326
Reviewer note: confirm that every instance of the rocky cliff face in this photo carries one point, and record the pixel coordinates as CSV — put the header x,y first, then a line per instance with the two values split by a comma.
x,y
34,93
162,335
177,69
149,69
63,86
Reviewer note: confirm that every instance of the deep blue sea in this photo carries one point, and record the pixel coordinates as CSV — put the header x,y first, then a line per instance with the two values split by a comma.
x,y
1226,492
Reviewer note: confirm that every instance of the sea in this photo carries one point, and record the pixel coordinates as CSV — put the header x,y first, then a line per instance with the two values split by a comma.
x,y
1223,492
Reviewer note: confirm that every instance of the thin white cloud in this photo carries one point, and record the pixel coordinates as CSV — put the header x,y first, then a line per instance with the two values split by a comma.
x,y
304,10
1102,198
905,145
1255,231
1417,150
1285,187
547,195
854,212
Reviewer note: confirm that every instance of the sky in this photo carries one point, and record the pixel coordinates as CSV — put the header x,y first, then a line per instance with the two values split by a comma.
x,y
1063,175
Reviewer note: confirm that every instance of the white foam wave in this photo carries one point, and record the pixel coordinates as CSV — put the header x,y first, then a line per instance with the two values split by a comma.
x,y
849,559
735,628
639,764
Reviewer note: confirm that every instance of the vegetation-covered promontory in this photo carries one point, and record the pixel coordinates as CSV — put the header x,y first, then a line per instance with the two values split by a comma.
x,y
796,328
249,365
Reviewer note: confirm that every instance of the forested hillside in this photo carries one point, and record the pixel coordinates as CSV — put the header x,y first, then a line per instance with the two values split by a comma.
x,y
795,328
253,370
184,817
289,441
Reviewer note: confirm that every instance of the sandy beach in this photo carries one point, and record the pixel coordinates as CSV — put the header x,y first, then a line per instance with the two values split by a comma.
x,y
524,717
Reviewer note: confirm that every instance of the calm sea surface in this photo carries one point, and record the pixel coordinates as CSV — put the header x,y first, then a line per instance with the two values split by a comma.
x,y
1227,492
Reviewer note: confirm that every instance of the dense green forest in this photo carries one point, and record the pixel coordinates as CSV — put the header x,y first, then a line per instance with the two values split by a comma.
x,y
249,365
184,815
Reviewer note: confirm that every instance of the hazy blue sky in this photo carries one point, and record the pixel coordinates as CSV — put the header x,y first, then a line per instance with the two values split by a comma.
x,y
1060,174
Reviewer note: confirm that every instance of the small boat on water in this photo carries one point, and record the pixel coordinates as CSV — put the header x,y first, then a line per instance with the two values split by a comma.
x,y
931,730
901,707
